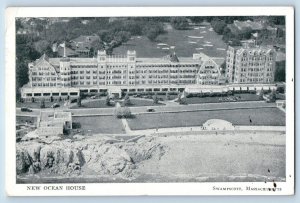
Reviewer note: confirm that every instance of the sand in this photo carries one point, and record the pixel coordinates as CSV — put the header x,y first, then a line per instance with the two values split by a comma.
x,y
230,157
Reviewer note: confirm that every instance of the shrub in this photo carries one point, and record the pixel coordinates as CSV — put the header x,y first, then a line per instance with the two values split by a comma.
x,y
155,99
123,112
181,99
127,101
76,125
42,105
273,96
79,101
107,100
168,96
261,95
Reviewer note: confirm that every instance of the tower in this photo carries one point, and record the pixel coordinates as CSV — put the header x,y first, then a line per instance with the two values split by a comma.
x,y
101,56
65,71
131,59
131,56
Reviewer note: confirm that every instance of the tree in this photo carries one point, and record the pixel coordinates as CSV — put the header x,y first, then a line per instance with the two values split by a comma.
x,y
261,94
107,100
95,46
126,112
279,71
79,101
218,26
245,33
181,99
126,100
155,98
273,96
180,23
122,112
152,30
118,112
42,105
41,46
168,96
19,24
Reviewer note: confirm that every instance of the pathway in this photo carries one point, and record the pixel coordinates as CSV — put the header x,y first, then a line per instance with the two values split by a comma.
x,y
200,129
124,122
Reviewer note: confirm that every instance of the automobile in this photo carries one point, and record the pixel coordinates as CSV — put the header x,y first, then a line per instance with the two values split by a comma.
x,y
25,109
73,100
149,109
55,105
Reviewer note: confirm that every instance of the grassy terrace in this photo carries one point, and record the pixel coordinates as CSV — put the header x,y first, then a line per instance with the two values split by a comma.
x,y
142,102
92,104
259,116
100,124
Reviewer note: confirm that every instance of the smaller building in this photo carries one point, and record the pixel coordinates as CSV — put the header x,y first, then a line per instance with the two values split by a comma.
x,y
253,25
82,44
53,123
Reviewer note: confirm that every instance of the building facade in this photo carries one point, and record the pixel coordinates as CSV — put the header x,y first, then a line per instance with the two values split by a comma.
x,y
250,64
66,77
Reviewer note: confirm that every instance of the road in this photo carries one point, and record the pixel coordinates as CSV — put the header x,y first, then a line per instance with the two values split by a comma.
x,y
157,109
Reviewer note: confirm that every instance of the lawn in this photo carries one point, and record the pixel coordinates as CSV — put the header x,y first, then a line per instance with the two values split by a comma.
x,y
241,97
37,105
141,102
186,43
100,124
24,119
93,104
259,116
171,96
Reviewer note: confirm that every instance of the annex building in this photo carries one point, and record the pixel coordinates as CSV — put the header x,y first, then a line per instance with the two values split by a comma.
x,y
66,77
250,64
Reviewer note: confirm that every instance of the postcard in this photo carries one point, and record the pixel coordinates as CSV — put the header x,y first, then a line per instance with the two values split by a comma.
x,y
107,101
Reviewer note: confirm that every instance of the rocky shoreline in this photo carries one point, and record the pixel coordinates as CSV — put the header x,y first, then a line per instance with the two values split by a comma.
x,y
88,156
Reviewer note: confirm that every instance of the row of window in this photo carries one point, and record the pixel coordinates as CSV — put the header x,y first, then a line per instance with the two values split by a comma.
x,y
40,84
42,73
41,79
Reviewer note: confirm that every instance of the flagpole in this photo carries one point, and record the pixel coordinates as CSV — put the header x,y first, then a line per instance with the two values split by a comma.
x,y
64,49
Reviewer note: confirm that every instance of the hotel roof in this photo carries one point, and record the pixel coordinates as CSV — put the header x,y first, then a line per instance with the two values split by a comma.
x,y
163,60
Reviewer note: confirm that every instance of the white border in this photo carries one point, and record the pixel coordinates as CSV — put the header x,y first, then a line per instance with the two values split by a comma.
x,y
124,189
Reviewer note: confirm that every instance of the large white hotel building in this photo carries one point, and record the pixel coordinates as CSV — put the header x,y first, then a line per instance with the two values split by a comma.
x,y
63,78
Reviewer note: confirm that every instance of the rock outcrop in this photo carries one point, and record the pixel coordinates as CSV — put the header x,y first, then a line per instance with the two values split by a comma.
x,y
97,156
